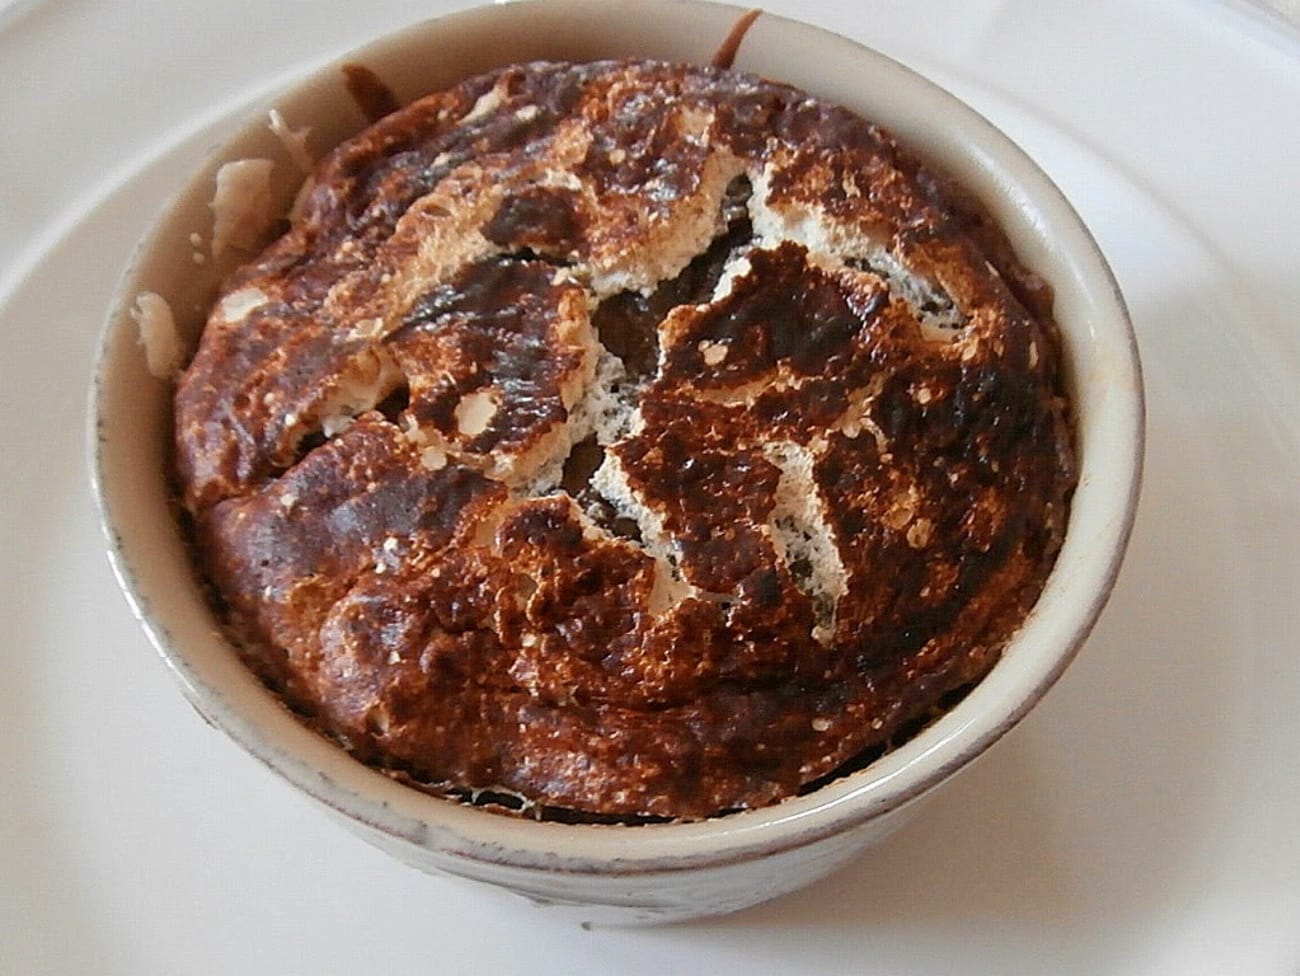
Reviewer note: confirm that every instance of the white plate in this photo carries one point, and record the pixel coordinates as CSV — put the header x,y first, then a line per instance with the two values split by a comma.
x,y
1145,819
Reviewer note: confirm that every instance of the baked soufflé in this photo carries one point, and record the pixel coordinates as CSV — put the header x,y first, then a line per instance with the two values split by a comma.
x,y
625,441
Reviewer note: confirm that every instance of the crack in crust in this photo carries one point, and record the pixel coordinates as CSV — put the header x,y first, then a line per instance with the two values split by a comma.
x,y
636,440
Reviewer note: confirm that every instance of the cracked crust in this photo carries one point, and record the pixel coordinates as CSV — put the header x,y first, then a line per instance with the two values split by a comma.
x,y
631,439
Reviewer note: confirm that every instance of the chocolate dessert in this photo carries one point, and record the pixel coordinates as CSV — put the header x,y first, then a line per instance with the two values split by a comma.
x,y
625,441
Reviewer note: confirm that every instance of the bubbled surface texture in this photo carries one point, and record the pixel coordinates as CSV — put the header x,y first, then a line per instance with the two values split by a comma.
x,y
628,439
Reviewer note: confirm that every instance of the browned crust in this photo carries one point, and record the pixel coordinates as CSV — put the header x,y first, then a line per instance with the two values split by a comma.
x,y
828,516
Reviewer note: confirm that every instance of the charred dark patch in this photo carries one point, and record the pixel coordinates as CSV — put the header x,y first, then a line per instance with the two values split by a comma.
x,y
544,219
492,328
782,310
628,326
628,323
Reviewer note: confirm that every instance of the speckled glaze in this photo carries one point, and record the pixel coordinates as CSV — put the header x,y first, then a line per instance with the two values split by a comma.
x,y
667,871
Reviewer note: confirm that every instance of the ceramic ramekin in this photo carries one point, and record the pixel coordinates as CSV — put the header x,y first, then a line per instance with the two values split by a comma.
x,y
664,871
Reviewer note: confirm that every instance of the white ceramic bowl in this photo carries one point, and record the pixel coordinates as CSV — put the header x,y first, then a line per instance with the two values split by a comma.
x,y
661,871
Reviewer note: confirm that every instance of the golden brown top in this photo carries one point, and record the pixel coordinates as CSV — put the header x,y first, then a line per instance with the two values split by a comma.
x,y
641,440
